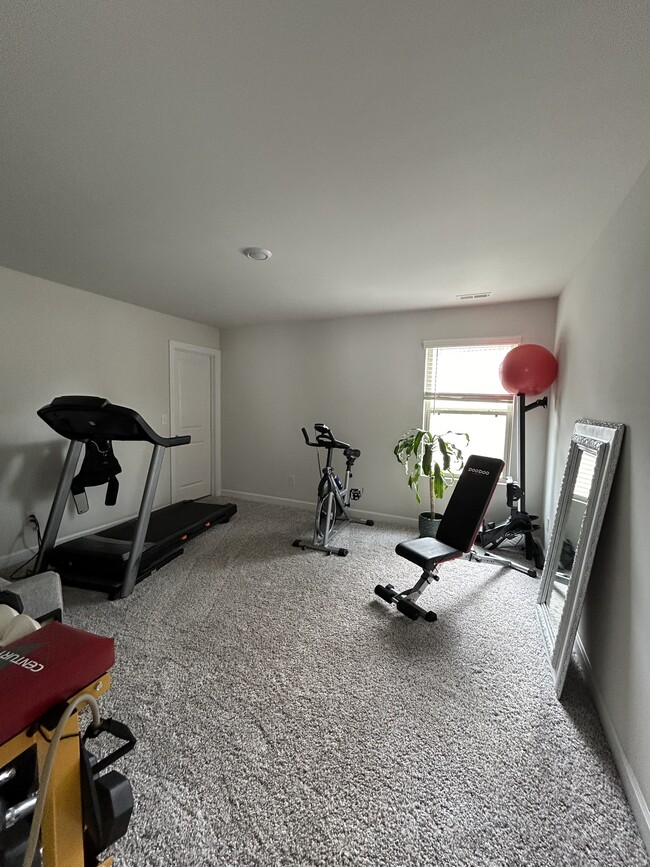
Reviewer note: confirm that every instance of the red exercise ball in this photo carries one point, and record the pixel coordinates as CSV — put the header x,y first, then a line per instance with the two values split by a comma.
x,y
528,369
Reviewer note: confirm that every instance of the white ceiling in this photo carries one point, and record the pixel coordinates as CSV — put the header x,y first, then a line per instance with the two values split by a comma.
x,y
392,154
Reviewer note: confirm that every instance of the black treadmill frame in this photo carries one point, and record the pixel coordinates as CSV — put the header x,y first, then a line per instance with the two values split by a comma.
x,y
56,415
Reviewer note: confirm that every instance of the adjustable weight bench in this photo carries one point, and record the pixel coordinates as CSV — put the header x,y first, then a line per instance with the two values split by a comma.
x,y
456,534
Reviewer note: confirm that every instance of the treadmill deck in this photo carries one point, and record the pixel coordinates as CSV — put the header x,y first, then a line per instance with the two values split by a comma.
x,y
98,561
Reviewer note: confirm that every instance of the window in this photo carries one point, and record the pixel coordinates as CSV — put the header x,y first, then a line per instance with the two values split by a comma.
x,y
462,392
584,476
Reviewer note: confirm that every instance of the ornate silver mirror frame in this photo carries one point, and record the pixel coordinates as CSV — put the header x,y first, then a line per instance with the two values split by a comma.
x,y
588,474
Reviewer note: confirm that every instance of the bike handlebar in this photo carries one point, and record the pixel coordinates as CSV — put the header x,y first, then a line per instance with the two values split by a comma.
x,y
326,439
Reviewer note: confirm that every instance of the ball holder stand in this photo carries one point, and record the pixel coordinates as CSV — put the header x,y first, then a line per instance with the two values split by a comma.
x,y
519,522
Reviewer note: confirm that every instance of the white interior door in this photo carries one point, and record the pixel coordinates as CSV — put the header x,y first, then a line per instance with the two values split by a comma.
x,y
194,375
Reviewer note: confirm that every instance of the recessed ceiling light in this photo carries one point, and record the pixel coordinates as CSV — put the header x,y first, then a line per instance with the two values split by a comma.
x,y
258,254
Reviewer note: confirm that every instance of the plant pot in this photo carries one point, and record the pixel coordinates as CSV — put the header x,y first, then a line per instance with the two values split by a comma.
x,y
427,525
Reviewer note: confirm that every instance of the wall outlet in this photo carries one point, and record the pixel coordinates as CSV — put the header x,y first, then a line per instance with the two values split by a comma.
x,y
292,481
163,420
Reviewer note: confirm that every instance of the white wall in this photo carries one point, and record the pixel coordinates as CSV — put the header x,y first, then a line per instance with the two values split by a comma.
x,y
604,355
55,340
364,377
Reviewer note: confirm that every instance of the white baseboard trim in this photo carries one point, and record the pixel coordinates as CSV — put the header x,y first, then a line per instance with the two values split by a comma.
x,y
10,562
304,505
263,498
631,786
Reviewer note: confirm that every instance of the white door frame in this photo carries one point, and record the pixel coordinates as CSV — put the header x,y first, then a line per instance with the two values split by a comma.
x,y
215,380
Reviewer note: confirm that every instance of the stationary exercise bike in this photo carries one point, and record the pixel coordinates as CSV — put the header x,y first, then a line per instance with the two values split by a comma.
x,y
334,496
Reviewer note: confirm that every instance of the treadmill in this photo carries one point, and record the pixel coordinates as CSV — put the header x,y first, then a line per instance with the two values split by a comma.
x,y
115,559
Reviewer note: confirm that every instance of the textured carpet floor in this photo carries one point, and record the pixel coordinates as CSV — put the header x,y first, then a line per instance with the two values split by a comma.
x,y
286,716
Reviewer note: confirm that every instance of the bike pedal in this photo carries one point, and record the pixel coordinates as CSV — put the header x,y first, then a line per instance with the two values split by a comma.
x,y
355,493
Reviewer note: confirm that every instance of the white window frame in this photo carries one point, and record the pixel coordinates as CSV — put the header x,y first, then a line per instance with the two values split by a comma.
x,y
508,400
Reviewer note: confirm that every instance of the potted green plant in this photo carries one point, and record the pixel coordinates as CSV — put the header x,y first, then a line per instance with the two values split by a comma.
x,y
437,458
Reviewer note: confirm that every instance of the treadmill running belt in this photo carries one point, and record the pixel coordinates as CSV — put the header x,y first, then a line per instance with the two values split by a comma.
x,y
179,519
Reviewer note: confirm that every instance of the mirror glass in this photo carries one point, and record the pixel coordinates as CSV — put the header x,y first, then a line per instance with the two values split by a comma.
x,y
593,453
580,489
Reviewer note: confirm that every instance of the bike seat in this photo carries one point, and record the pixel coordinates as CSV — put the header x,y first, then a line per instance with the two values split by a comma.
x,y
352,453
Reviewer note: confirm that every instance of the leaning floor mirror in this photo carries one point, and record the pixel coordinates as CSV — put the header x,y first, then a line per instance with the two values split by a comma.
x,y
588,474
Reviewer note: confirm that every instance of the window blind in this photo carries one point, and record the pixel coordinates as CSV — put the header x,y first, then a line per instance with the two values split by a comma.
x,y
585,475
468,372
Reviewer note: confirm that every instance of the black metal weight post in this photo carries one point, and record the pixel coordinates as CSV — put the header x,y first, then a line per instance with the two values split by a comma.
x,y
519,522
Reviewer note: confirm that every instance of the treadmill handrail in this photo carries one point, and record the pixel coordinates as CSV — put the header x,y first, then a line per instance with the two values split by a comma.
x,y
85,417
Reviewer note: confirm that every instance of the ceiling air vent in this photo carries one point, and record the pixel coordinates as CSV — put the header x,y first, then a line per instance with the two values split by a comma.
x,y
472,296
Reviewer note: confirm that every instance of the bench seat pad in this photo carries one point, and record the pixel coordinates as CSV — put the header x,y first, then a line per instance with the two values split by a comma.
x,y
427,552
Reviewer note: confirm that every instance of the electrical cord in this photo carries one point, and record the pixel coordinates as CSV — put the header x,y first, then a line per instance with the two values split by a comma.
x,y
44,782
22,566
34,521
